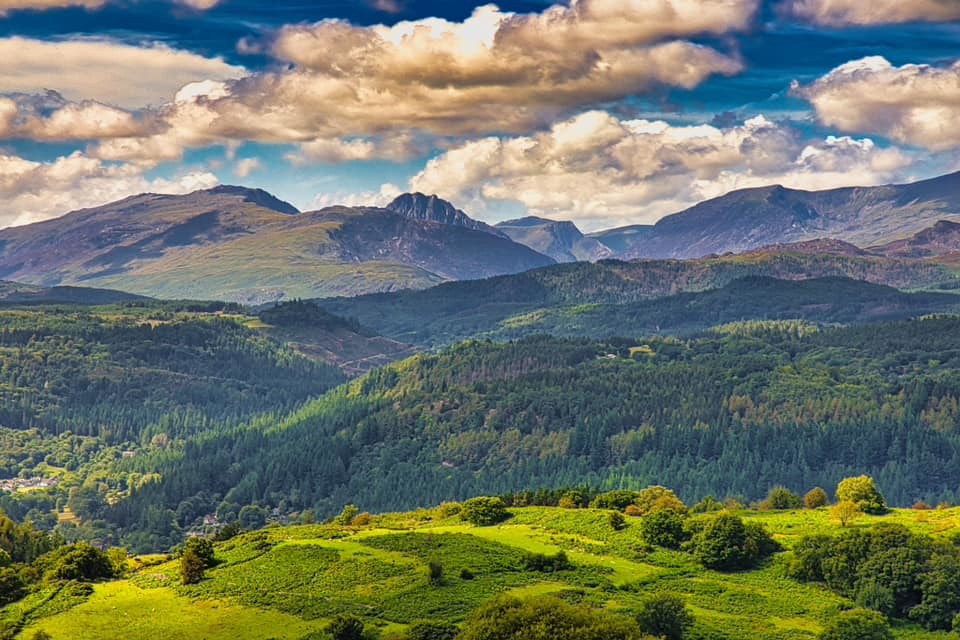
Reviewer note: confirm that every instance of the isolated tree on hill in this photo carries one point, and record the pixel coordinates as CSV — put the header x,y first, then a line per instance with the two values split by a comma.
x,y
191,567
203,548
484,511
863,491
846,512
815,498
657,498
858,624
663,529
781,499
665,615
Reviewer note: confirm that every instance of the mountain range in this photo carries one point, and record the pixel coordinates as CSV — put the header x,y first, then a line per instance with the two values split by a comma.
x,y
245,245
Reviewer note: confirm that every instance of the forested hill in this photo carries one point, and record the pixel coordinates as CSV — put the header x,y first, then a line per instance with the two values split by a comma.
x,y
730,412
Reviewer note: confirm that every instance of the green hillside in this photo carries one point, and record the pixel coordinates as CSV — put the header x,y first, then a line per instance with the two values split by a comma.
x,y
589,299
290,582
732,411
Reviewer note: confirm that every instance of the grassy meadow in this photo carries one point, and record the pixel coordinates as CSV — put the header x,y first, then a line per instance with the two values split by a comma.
x,y
286,582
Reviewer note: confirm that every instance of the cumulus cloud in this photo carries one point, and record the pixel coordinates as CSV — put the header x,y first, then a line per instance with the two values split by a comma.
x,y
384,196
841,13
913,104
350,92
199,5
35,191
122,75
606,171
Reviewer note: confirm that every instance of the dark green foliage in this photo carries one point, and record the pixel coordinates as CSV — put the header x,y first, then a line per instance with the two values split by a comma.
x,y
619,500
725,543
663,529
432,631
435,573
545,619
345,628
665,615
12,586
708,504
466,574
484,511
80,561
192,567
863,492
781,498
546,563
886,568
617,521
858,624
202,548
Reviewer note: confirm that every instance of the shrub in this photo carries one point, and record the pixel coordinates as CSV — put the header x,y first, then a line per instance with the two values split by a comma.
x,y
920,505
80,561
617,521
361,520
781,499
545,618
657,498
12,586
484,511
435,573
633,511
845,512
203,548
447,509
618,500
345,628
857,624
432,631
346,516
725,543
663,529
546,563
864,493
191,567
815,498
665,615
466,574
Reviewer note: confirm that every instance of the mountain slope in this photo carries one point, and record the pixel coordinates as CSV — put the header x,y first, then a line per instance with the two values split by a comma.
x,y
232,243
459,310
751,218
561,240
942,239
417,206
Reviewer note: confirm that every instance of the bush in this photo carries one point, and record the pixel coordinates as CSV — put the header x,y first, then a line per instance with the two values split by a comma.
x,y
781,499
864,493
192,567
618,500
657,498
845,512
80,561
617,521
546,563
432,631
633,511
665,615
466,574
815,498
203,548
545,618
663,529
725,543
346,516
12,586
707,505
858,624
345,628
484,512
435,573
361,520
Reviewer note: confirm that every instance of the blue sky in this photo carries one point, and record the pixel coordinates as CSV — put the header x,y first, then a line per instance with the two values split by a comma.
x,y
607,112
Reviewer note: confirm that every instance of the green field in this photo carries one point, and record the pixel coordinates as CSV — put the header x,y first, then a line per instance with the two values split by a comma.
x,y
287,582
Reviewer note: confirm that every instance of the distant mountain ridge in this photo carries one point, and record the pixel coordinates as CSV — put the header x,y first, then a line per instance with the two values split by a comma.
x,y
559,239
245,245
417,206
751,218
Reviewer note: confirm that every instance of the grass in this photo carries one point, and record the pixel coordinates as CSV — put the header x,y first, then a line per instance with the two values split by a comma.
x,y
285,582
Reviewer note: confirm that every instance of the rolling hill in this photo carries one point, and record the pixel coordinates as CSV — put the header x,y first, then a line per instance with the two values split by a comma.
x,y
751,218
237,244
459,310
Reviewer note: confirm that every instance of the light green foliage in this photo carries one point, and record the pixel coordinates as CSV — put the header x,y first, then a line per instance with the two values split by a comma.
x,y
815,498
657,498
664,529
862,491
780,498
858,624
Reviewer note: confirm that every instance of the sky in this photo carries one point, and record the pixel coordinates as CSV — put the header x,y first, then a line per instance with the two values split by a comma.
x,y
604,112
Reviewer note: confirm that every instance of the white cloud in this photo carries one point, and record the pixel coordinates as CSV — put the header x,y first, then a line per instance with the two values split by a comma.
x,y
108,72
199,5
243,168
356,92
604,171
35,191
913,104
841,13
387,193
